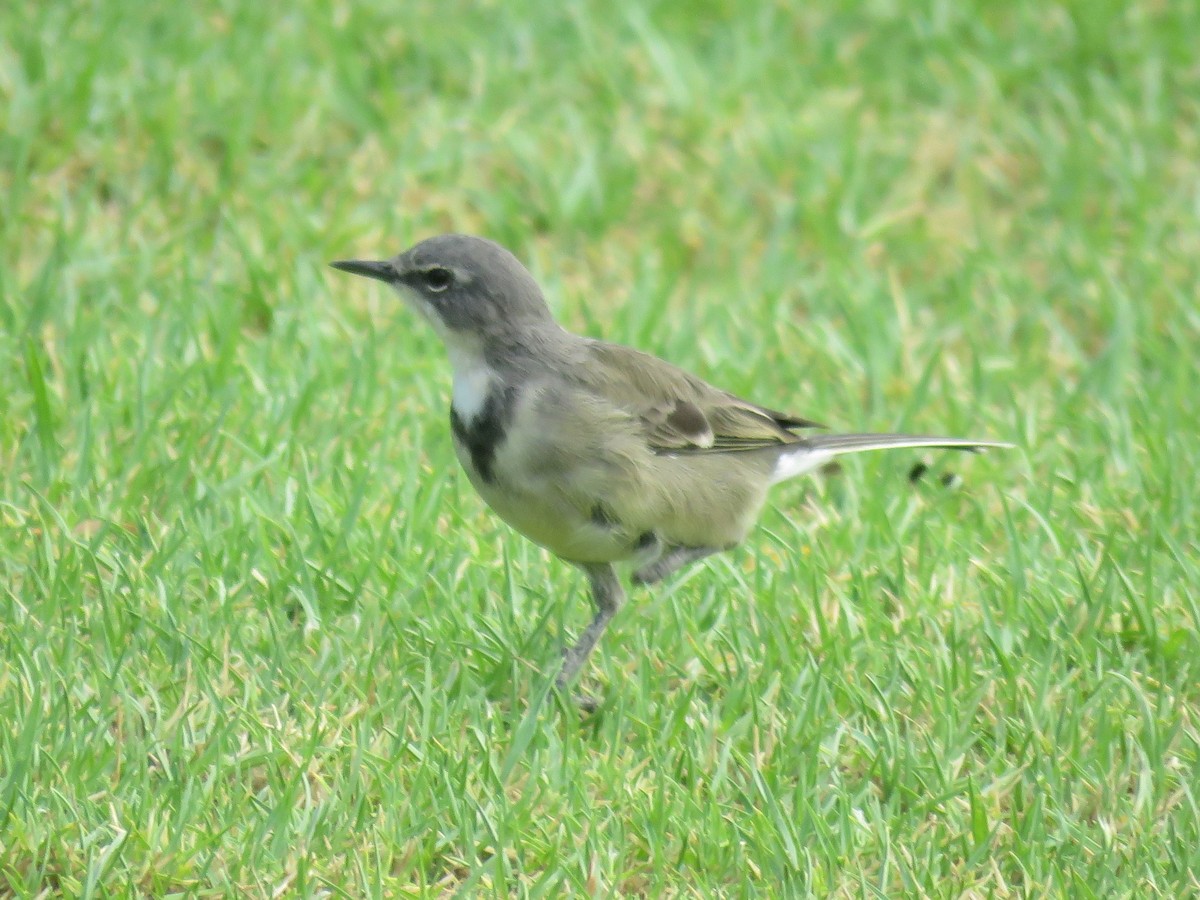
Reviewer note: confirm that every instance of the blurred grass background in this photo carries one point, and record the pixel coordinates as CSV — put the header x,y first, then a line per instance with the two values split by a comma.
x,y
260,638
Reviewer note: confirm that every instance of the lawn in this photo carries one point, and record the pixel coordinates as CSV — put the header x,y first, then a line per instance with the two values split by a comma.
x,y
259,637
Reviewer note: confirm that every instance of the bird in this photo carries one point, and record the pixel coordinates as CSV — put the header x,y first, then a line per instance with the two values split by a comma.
x,y
600,453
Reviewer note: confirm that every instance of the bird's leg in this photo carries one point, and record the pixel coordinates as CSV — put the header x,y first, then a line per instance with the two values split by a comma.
x,y
607,596
673,560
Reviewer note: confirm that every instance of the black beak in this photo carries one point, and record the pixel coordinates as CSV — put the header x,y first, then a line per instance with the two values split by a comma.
x,y
382,270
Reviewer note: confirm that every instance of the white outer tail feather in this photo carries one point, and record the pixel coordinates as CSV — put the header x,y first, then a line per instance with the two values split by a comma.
x,y
818,450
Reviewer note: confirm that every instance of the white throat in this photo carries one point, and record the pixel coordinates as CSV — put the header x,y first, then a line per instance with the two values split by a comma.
x,y
473,380
473,377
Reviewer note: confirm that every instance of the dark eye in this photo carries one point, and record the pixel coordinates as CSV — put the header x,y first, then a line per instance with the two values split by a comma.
x,y
438,279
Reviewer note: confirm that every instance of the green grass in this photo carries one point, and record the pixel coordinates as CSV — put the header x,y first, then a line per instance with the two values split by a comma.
x,y
259,636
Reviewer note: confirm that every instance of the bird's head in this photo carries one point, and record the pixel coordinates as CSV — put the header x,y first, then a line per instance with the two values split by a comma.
x,y
467,287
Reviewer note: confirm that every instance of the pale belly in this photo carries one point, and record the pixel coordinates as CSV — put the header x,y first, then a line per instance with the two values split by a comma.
x,y
554,524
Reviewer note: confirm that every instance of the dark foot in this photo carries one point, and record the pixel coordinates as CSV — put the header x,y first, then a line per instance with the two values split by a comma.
x,y
607,597
671,561
585,703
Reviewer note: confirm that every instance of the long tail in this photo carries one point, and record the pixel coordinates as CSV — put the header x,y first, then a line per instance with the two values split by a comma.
x,y
815,451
